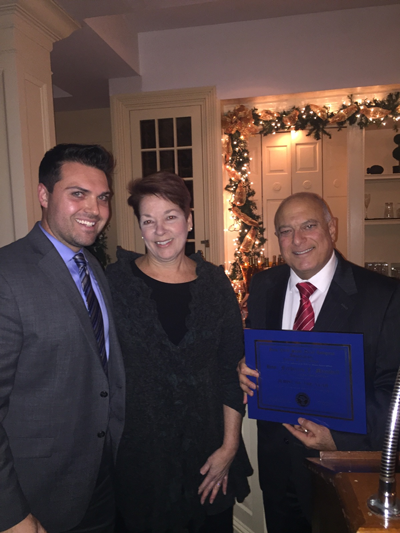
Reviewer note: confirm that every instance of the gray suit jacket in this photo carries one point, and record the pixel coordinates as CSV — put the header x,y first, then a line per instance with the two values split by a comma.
x,y
56,403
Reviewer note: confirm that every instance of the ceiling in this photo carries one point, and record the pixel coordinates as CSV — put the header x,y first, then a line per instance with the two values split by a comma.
x,y
106,45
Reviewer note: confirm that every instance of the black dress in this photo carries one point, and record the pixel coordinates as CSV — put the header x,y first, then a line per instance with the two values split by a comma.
x,y
174,324
175,395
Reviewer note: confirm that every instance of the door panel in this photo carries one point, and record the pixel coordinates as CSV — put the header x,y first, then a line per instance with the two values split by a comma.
x,y
277,165
277,183
291,163
306,164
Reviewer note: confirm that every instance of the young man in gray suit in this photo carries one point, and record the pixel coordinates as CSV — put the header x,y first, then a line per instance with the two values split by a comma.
x,y
344,298
61,371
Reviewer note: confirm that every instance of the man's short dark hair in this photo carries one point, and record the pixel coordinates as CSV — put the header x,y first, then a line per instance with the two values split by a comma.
x,y
91,155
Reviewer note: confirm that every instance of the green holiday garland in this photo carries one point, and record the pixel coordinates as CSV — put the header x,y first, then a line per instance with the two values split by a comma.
x,y
241,123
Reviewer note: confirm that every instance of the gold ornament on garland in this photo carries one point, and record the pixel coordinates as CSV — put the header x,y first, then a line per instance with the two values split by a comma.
x,y
240,195
241,120
233,174
226,148
290,120
243,217
267,115
321,112
248,241
344,114
374,112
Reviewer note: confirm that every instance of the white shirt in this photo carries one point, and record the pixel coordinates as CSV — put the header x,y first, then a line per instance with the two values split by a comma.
x,y
322,281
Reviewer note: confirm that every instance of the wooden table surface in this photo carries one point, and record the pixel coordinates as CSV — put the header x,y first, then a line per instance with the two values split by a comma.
x,y
344,482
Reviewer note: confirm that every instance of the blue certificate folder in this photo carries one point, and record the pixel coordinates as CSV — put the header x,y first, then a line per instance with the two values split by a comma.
x,y
318,376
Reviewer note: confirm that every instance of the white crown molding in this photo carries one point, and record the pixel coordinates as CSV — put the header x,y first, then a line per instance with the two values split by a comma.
x,y
44,15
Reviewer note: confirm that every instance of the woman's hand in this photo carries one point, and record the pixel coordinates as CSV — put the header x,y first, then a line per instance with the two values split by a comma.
x,y
215,471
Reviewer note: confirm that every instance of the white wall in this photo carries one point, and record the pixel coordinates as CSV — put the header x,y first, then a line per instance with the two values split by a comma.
x,y
295,54
348,48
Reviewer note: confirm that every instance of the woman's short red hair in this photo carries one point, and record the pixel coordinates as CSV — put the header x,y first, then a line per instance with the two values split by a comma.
x,y
163,184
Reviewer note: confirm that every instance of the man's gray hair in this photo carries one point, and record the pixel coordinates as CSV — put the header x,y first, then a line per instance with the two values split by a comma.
x,y
305,196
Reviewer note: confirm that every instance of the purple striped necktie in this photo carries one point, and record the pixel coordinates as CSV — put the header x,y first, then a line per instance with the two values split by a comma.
x,y
94,309
304,320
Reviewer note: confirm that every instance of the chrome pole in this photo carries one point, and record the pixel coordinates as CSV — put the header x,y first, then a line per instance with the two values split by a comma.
x,y
385,502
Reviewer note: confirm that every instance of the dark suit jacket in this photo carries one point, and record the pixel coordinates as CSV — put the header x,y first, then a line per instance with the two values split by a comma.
x,y
358,301
56,403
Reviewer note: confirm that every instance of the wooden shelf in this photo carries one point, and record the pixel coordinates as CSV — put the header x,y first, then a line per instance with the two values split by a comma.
x,y
382,177
381,221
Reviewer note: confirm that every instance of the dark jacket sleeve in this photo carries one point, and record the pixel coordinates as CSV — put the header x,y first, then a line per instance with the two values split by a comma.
x,y
379,385
231,348
13,504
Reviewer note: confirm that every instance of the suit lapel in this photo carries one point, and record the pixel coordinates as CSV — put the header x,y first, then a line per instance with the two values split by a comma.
x,y
61,281
56,270
275,301
339,302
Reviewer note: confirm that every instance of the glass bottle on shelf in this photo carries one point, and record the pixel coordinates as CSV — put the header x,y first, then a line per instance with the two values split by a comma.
x,y
389,211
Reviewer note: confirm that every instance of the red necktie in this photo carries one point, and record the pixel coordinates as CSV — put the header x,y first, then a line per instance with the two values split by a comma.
x,y
304,320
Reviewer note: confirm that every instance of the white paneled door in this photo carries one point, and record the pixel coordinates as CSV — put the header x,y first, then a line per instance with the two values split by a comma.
x,y
292,162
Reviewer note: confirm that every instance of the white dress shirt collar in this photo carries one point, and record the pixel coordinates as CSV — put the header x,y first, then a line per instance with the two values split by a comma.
x,y
321,280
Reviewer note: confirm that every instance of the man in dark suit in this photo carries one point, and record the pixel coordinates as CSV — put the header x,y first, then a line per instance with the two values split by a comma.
x,y
345,298
61,371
